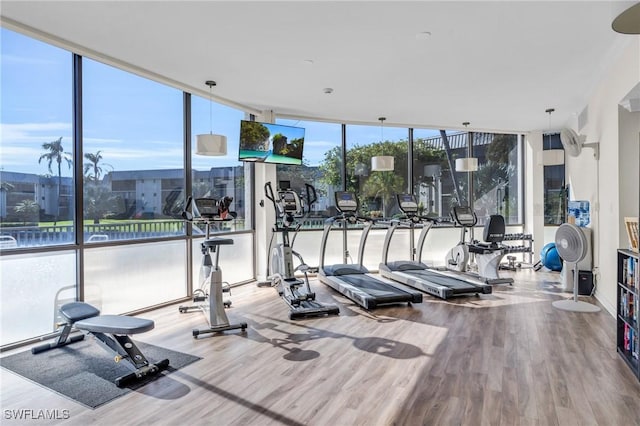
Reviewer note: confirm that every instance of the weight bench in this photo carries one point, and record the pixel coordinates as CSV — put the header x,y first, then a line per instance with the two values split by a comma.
x,y
112,332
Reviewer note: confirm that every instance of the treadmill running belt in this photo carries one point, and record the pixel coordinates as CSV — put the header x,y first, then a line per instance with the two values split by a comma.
x,y
455,284
372,286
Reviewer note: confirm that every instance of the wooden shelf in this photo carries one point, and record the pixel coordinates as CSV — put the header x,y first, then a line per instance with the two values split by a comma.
x,y
628,309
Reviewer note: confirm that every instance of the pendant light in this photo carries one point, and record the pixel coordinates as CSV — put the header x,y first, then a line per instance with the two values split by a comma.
x,y
382,163
467,164
209,143
551,157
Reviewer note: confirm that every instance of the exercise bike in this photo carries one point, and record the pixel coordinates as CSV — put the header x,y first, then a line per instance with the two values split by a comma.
x,y
281,271
487,255
209,297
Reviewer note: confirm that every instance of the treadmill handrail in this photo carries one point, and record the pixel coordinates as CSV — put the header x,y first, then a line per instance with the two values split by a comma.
x,y
344,217
425,223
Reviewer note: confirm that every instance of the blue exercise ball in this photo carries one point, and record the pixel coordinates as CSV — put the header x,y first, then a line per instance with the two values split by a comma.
x,y
550,258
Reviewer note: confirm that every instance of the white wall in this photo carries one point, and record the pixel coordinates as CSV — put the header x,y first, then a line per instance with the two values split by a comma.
x,y
600,181
629,128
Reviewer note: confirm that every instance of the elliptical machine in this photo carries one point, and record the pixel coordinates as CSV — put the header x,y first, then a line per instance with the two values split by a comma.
x,y
281,271
208,298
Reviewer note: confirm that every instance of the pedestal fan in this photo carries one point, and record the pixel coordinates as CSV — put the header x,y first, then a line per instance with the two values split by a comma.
x,y
572,247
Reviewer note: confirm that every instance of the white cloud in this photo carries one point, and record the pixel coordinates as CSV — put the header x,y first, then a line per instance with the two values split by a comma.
x,y
132,153
32,132
9,59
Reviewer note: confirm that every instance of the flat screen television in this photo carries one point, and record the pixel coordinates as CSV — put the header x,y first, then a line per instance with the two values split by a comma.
x,y
270,143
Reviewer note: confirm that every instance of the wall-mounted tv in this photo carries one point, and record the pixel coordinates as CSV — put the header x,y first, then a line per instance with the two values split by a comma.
x,y
270,143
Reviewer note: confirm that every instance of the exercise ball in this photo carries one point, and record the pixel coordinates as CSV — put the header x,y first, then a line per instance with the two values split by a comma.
x,y
550,258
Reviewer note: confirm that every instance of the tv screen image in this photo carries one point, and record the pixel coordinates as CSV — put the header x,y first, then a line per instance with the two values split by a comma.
x,y
270,143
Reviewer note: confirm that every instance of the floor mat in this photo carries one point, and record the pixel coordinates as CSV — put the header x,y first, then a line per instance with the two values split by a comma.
x,y
85,372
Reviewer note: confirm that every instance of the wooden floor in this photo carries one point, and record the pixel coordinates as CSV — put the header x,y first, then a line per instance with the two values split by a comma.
x,y
508,358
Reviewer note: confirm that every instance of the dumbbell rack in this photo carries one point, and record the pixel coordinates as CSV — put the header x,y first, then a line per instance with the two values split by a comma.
x,y
525,248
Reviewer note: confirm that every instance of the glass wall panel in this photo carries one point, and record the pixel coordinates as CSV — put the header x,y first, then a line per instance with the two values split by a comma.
x,y
554,185
321,166
434,177
221,176
438,243
133,155
33,287
236,261
36,145
496,183
377,190
126,278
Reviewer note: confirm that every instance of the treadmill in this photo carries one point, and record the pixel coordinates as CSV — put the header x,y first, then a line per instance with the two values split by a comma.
x,y
354,280
413,272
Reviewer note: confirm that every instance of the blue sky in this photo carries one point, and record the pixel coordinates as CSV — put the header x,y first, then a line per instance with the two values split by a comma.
x,y
134,122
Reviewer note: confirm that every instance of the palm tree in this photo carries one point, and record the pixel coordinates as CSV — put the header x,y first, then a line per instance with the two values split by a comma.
x,y
56,153
98,199
383,185
93,166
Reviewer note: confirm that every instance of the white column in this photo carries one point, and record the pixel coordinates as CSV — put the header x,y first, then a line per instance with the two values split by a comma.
x,y
534,191
263,209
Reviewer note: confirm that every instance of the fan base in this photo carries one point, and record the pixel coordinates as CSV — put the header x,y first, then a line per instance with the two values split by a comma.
x,y
573,306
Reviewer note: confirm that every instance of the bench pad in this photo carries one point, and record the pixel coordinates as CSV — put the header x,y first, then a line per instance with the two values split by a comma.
x,y
115,324
76,311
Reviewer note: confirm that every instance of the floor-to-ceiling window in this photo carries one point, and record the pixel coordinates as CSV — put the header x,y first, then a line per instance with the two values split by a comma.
x,y
554,181
376,170
133,164
133,157
37,147
496,184
321,168
434,177
218,177
36,185
129,251
377,188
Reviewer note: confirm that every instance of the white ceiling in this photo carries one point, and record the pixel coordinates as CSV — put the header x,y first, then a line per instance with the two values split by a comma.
x,y
498,65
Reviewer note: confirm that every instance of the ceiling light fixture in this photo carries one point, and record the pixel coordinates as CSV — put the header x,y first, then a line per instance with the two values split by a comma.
x,y
551,157
424,35
382,163
208,143
628,22
468,164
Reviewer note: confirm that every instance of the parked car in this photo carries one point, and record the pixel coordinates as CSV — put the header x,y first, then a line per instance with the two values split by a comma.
x,y
7,242
98,238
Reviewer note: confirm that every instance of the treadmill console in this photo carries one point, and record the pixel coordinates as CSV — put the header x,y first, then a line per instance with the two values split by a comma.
x,y
408,204
346,202
464,216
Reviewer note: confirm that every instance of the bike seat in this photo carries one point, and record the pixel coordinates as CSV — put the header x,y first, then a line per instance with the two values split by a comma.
x,y
216,241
